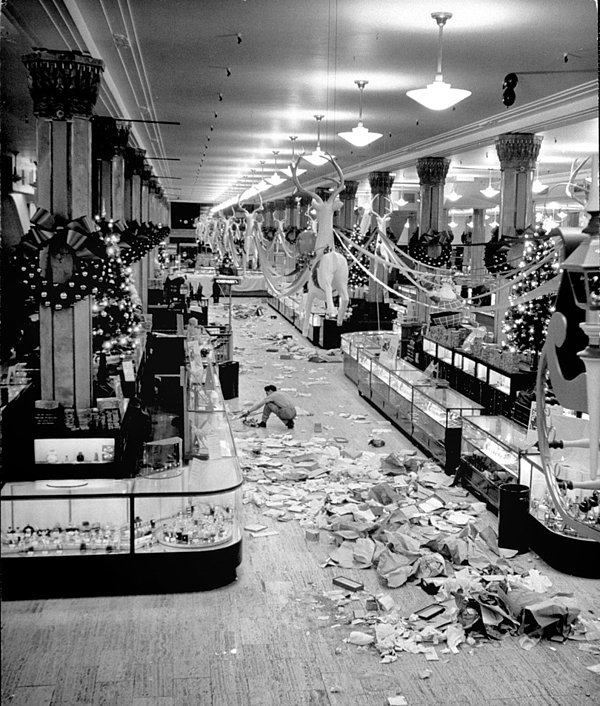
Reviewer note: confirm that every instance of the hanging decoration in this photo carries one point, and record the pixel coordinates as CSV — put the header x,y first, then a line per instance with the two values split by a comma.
x,y
526,322
433,248
60,262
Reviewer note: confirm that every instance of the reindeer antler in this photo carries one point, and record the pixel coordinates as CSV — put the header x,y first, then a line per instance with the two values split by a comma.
x,y
570,187
298,185
338,190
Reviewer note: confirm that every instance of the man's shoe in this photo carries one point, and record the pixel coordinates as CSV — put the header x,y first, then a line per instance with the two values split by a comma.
x,y
262,424
290,424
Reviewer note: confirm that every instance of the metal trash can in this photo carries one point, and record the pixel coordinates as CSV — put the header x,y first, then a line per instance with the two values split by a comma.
x,y
229,374
513,517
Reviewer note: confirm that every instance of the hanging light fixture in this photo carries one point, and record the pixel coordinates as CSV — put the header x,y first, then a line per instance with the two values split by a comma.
x,y
439,95
401,201
538,186
489,191
452,223
288,171
317,156
263,184
275,179
453,195
360,136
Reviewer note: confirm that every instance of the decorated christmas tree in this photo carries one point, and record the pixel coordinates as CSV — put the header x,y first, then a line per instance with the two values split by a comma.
x,y
115,317
526,322
357,277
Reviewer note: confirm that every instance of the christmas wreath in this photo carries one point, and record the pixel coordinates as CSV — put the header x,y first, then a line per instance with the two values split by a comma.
x,y
61,262
433,248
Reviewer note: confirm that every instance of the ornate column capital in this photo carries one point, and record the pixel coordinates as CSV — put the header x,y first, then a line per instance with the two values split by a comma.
x,y
279,204
305,200
63,84
134,160
432,171
146,174
290,202
350,189
323,192
518,150
104,137
269,206
381,183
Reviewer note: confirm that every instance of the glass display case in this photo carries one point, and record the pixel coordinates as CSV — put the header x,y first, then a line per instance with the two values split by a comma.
x,y
173,528
490,451
565,522
102,536
352,343
437,414
401,394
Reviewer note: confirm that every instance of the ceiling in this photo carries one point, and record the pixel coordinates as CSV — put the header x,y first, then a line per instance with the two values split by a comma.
x,y
242,76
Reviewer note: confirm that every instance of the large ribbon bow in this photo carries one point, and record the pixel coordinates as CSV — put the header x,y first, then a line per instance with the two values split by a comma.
x,y
434,241
77,234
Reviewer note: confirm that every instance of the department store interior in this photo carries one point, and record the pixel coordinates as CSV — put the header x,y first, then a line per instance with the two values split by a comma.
x,y
388,211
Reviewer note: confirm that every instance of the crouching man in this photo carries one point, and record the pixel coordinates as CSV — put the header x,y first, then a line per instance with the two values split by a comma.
x,y
278,403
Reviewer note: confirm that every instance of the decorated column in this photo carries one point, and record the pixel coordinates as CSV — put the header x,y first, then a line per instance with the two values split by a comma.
x,y
268,214
381,188
348,197
290,211
518,153
474,255
64,87
432,173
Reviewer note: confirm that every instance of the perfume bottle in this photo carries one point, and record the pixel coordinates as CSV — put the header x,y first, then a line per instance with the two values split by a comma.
x,y
52,456
80,457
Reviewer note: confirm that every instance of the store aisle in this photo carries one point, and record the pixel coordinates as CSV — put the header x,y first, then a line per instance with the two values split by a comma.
x,y
279,635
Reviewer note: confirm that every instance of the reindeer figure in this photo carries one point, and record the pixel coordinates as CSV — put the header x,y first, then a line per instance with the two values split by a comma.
x,y
253,230
382,223
329,270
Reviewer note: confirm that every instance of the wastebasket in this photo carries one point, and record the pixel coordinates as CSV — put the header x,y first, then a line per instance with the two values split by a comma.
x,y
513,517
229,374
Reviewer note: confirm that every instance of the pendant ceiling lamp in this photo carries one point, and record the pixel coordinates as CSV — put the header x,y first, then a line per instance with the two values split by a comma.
x,y
275,179
317,156
489,191
439,95
263,184
453,195
288,171
401,201
360,136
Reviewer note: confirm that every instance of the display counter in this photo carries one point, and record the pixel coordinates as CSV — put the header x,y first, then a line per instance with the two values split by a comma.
x,y
430,414
491,448
564,525
173,528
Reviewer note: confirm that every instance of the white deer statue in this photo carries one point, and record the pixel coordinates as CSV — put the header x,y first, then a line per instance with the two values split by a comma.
x,y
329,269
252,231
